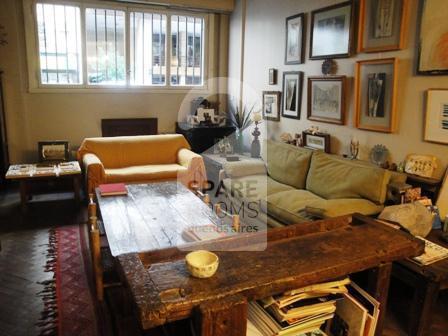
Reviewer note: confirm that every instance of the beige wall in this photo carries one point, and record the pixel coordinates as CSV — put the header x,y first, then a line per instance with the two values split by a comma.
x,y
73,116
264,48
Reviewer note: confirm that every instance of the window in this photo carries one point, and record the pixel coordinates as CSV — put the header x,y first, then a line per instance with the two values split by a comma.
x,y
59,35
105,46
89,46
148,45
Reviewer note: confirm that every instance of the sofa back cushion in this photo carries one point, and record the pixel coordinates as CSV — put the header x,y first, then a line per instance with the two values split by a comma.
x,y
119,152
287,164
333,177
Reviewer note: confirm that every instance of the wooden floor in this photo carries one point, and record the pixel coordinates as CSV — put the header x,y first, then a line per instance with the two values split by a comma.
x,y
22,260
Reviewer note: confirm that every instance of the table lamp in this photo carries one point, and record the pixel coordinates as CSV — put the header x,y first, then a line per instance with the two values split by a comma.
x,y
255,148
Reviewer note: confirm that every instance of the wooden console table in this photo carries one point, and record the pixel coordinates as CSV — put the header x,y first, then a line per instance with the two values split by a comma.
x,y
298,255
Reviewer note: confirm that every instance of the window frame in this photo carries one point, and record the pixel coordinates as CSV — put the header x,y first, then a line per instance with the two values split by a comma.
x,y
33,59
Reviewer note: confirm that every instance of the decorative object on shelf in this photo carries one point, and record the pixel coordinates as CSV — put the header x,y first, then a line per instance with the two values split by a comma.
x,y
331,31
382,25
354,149
224,147
313,129
286,138
255,148
320,141
326,99
295,41
53,151
436,119
271,105
432,38
201,263
329,67
241,120
3,35
298,140
273,76
375,90
379,154
292,94
421,165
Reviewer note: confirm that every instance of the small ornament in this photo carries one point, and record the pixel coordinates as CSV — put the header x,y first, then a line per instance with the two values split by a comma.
x,y
329,67
379,154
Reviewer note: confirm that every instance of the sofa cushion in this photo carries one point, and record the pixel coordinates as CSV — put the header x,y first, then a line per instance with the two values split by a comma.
x,y
245,168
287,164
291,206
119,152
333,177
144,173
254,188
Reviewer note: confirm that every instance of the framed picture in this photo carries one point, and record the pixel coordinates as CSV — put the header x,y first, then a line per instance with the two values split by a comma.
x,y
272,76
331,31
271,105
382,25
375,89
294,48
318,141
292,94
436,118
53,151
326,99
433,41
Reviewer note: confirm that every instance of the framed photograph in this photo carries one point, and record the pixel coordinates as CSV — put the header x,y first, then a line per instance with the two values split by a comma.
x,y
53,151
436,117
375,90
292,94
295,27
331,31
382,25
271,105
317,141
272,76
326,99
432,38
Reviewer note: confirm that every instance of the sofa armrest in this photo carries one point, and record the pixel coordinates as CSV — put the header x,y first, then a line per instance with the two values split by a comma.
x,y
94,171
195,168
244,168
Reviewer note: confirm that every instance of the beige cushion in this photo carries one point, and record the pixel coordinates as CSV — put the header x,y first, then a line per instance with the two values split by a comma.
x,y
287,164
289,207
245,168
333,177
254,188
144,173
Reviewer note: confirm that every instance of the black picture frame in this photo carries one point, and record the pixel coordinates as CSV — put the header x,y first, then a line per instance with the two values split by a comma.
x,y
350,48
298,93
278,96
324,136
273,76
43,145
301,43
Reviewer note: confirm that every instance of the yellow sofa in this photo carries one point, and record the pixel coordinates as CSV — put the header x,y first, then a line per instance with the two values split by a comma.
x,y
140,159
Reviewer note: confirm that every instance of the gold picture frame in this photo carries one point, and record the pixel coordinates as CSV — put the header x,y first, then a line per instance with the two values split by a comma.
x,y
389,38
375,94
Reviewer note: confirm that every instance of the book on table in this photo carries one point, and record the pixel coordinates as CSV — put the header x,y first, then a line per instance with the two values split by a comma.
x,y
113,189
203,232
433,253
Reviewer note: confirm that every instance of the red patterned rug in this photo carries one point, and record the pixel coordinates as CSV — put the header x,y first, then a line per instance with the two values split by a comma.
x,y
70,305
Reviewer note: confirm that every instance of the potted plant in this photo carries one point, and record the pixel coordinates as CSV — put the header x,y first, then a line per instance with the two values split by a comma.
x,y
240,119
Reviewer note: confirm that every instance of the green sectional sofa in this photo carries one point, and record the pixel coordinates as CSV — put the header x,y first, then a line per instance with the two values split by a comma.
x,y
292,185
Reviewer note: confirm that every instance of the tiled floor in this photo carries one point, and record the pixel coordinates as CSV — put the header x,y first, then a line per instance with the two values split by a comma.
x,y
22,258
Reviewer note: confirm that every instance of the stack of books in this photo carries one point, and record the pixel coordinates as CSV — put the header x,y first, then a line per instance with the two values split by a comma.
x,y
301,311
433,253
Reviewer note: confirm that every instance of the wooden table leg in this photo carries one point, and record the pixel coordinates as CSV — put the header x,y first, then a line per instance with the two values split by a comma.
x,y
226,317
77,189
424,299
379,281
23,195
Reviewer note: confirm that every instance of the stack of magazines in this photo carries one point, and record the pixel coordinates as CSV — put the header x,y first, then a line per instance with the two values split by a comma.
x,y
298,312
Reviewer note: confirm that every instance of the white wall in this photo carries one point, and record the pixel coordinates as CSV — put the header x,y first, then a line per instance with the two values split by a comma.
x,y
265,47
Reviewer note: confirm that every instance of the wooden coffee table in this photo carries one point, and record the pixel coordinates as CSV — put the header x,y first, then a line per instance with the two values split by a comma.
x,y
297,255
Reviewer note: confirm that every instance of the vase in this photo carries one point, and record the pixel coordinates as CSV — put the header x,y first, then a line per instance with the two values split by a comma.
x,y
239,142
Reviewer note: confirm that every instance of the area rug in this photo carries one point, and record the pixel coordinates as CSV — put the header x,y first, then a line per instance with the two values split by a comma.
x,y
69,304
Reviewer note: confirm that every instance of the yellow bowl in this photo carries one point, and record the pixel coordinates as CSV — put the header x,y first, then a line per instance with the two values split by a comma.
x,y
201,263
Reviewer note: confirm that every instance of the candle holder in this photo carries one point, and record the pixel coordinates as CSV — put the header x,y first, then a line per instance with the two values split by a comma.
x,y
354,149
255,148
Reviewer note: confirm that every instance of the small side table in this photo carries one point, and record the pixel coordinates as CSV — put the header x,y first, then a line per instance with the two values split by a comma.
x,y
427,281
27,176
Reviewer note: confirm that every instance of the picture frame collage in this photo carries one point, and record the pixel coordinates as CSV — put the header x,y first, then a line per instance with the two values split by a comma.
x,y
382,27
